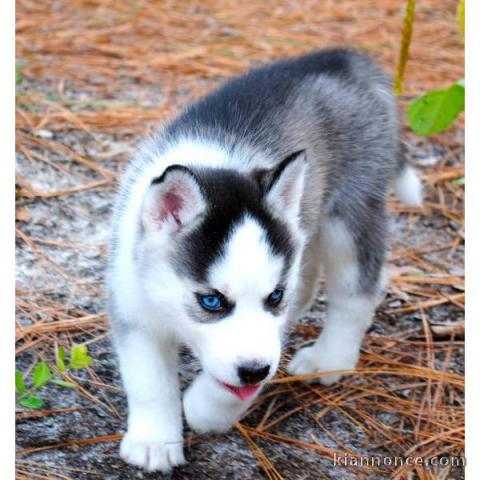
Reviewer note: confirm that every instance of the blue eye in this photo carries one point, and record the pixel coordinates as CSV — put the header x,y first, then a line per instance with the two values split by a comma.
x,y
275,297
211,302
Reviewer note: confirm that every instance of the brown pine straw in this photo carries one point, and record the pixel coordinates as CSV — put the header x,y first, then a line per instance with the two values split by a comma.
x,y
118,55
51,470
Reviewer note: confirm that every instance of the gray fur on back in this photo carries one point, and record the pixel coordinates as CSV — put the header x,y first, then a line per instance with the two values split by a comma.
x,y
337,105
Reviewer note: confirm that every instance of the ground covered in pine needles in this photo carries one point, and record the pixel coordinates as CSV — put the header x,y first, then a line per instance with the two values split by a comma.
x,y
97,75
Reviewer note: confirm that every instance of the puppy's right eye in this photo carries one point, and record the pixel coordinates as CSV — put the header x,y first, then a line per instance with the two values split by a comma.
x,y
211,303
274,299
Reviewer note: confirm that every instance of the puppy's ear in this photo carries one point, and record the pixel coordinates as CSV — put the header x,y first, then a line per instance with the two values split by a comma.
x,y
173,201
283,186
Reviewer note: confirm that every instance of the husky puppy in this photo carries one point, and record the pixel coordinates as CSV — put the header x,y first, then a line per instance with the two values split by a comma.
x,y
222,223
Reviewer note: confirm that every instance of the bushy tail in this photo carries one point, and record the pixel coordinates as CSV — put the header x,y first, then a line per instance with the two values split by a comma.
x,y
408,187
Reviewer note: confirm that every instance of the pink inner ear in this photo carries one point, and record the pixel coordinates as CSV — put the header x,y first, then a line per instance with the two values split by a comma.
x,y
172,204
286,193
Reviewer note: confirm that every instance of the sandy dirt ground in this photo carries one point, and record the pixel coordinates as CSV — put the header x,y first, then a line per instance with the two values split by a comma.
x,y
96,76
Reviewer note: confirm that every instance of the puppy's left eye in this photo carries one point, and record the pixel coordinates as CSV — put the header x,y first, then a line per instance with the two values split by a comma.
x,y
275,297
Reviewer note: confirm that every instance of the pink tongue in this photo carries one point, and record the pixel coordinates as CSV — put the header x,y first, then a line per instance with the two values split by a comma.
x,y
243,393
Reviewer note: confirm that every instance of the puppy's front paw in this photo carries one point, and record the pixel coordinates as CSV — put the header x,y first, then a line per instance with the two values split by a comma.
x,y
151,453
202,416
316,360
209,407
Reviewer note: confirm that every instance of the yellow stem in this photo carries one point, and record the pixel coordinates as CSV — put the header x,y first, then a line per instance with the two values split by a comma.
x,y
405,45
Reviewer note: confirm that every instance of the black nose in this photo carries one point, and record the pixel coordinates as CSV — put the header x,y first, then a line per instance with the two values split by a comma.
x,y
252,373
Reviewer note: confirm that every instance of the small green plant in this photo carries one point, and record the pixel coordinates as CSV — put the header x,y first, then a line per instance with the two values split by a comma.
x,y
18,75
436,110
42,375
19,64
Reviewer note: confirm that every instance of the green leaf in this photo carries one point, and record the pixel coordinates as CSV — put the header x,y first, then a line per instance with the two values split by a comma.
x,y
19,383
32,401
60,358
79,357
41,375
63,383
435,111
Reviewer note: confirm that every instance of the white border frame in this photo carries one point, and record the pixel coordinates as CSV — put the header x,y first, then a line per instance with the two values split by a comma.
x,y
7,218
7,225
472,254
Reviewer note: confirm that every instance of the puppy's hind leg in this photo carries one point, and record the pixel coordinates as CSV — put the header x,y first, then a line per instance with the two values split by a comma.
x,y
307,286
353,267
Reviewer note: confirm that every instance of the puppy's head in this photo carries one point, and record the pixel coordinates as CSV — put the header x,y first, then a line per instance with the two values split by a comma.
x,y
220,256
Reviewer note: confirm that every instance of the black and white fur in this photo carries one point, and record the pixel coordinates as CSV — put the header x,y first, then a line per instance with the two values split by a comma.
x,y
252,189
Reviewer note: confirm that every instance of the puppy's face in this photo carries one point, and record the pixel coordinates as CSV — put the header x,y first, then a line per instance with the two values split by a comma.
x,y
220,259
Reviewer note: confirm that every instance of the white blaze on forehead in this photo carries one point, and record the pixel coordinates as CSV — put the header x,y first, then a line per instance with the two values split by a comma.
x,y
248,264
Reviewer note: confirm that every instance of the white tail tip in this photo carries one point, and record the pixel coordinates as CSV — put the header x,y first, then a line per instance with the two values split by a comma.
x,y
408,187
